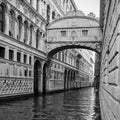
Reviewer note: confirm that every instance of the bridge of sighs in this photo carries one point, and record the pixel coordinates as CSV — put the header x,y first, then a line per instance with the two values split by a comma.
x,y
75,30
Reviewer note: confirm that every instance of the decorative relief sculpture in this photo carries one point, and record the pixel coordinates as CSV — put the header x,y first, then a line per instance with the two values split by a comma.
x,y
18,3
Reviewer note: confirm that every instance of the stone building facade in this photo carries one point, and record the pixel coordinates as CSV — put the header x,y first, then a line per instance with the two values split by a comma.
x,y
23,52
110,61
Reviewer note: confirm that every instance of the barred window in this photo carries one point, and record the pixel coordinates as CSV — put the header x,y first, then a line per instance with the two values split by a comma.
x,y
25,72
2,52
84,32
30,60
11,54
63,33
18,56
25,58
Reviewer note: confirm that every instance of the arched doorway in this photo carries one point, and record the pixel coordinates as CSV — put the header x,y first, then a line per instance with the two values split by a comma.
x,y
65,79
44,78
37,75
68,81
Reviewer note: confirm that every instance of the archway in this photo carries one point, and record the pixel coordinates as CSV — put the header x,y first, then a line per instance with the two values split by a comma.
x,y
37,75
61,48
44,78
68,81
65,79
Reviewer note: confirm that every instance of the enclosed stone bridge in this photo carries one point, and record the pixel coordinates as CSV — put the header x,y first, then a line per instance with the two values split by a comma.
x,y
75,30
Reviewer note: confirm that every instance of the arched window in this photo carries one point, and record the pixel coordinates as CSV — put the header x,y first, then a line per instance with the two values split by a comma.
x,y
48,13
12,23
2,17
25,31
19,27
37,38
31,34
53,15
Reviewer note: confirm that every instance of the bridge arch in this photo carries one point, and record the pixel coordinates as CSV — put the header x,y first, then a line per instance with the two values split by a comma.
x,y
61,48
75,30
37,76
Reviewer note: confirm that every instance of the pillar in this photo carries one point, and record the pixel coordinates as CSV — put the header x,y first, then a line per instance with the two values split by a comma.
x,y
39,5
22,33
66,85
34,3
15,55
28,35
22,57
16,29
7,22
6,52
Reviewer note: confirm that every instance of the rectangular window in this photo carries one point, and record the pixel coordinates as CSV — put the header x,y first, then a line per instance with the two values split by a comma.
x,y
11,54
63,33
30,59
84,32
25,58
2,52
30,73
25,72
18,56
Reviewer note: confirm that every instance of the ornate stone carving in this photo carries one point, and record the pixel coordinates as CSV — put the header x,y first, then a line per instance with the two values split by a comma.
x,y
31,15
18,3
3,1
11,86
37,21
25,10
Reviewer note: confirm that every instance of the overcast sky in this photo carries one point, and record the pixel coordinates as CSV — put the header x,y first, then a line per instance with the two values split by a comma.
x,y
88,6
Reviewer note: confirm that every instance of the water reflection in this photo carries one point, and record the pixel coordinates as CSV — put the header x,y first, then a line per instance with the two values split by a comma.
x,y
72,105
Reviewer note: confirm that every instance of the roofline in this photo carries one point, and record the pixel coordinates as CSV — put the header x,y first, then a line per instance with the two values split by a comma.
x,y
70,17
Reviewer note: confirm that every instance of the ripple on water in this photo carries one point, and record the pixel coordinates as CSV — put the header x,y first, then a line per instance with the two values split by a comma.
x,y
72,105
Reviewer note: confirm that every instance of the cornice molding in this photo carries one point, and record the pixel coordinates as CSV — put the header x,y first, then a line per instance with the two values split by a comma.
x,y
70,17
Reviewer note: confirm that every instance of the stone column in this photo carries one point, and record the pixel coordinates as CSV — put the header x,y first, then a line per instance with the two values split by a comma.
x,y
28,35
7,22
34,3
28,57
66,80
15,55
22,33
28,1
16,29
22,57
6,52
34,37
39,5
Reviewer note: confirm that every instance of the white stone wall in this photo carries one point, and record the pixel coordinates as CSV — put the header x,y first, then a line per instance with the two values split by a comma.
x,y
110,62
13,80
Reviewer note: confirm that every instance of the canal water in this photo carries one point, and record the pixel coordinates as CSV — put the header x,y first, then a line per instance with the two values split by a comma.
x,y
72,105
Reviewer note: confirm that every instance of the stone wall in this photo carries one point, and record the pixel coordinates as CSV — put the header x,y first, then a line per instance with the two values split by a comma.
x,y
110,62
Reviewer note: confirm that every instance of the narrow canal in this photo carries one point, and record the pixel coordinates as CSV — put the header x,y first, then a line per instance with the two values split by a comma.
x,y
71,105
